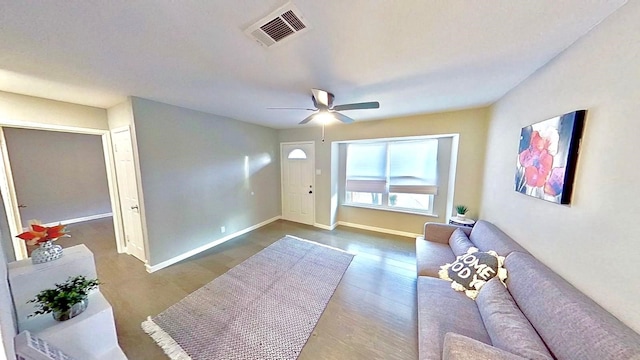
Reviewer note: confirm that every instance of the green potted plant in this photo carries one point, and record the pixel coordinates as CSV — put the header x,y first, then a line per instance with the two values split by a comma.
x,y
67,300
393,199
461,211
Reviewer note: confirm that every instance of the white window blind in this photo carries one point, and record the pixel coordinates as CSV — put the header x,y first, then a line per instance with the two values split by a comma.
x,y
395,167
367,167
413,166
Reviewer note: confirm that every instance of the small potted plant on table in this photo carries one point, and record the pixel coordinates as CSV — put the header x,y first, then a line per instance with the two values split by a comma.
x,y
67,300
461,211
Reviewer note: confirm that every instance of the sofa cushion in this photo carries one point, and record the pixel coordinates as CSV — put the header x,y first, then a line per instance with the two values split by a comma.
x,y
459,242
430,256
571,325
459,347
507,326
472,270
486,236
442,232
440,311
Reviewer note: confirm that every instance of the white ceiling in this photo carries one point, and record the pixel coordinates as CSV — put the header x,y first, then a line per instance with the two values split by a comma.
x,y
413,56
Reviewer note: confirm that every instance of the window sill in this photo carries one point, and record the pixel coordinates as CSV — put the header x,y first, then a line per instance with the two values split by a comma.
x,y
390,209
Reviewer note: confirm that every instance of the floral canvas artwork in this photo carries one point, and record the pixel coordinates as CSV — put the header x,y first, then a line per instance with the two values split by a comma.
x,y
547,157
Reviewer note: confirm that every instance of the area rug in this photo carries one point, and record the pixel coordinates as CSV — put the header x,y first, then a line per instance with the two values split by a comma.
x,y
264,308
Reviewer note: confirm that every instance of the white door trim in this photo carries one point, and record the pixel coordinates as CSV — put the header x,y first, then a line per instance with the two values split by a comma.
x,y
10,200
313,175
9,196
121,243
112,180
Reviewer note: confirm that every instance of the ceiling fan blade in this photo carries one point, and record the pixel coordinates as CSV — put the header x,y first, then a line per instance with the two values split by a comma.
x,y
357,106
307,119
290,108
344,118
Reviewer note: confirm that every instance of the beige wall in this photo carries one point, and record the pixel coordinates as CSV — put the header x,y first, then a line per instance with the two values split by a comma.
x,y
120,115
593,243
17,109
470,124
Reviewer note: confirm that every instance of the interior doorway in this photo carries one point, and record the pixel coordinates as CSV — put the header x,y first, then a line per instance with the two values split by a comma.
x,y
8,190
59,177
298,181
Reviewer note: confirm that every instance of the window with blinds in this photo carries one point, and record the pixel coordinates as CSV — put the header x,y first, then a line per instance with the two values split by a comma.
x,y
401,174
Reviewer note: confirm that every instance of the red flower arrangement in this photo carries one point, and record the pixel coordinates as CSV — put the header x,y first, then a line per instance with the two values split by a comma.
x,y
40,234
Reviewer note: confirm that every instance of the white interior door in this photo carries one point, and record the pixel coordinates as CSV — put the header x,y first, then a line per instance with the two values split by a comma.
x,y
128,192
298,185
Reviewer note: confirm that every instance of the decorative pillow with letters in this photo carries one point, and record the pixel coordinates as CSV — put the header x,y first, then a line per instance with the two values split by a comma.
x,y
472,270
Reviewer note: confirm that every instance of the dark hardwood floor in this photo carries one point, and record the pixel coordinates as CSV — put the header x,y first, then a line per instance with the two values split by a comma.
x,y
372,314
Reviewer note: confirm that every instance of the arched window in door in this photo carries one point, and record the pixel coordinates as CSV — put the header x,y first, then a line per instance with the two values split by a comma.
x,y
297,154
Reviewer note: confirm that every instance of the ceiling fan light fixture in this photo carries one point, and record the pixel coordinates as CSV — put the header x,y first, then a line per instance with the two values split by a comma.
x,y
325,112
324,117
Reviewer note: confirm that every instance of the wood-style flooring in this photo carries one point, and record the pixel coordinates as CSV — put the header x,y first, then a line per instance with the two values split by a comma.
x,y
372,314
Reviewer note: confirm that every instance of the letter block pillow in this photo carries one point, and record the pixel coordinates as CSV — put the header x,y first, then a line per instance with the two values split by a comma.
x,y
472,270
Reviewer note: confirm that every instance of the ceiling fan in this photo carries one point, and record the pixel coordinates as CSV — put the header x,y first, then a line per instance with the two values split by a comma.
x,y
324,108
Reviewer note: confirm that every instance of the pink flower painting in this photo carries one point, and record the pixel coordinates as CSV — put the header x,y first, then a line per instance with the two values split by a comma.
x,y
536,161
547,156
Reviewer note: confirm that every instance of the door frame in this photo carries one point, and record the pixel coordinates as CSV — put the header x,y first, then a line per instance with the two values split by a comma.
x,y
10,198
313,175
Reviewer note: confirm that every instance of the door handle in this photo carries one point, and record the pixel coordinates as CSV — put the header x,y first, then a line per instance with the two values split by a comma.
x,y
135,207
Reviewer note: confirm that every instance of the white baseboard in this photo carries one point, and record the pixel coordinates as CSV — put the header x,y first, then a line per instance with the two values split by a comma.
x,y
164,264
80,219
325,227
377,229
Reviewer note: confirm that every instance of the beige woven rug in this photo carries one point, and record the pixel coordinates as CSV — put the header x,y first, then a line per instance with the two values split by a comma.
x,y
264,308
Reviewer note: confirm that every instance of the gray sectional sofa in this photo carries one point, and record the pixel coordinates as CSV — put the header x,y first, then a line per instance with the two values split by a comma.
x,y
537,316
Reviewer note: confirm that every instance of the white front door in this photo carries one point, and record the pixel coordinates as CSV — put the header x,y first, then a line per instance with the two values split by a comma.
x,y
298,185
128,191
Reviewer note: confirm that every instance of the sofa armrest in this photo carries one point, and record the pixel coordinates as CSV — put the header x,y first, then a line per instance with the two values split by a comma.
x,y
460,347
441,232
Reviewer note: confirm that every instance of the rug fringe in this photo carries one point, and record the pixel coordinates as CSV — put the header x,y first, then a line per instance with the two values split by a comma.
x,y
165,341
319,244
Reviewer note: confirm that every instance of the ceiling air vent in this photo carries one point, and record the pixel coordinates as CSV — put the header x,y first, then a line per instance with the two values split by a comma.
x,y
278,26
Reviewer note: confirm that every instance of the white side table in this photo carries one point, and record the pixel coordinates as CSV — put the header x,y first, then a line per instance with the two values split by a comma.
x,y
28,279
462,221
89,336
